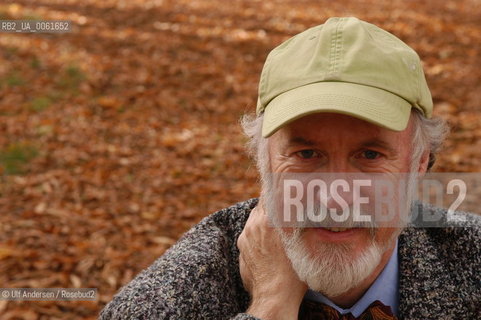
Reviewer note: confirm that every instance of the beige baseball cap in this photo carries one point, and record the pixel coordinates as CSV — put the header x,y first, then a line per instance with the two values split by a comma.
x,y
344,66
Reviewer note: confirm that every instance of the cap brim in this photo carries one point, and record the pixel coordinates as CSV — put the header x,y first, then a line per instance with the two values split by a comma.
x,y
367,103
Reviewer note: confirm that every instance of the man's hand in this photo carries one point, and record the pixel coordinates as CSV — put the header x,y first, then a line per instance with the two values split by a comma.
x,y
276,291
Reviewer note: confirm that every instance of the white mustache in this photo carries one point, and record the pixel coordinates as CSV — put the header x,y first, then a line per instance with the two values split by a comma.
x,y
329,222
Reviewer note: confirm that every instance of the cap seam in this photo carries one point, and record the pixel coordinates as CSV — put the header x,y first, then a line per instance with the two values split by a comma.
x,y
418,85
335,48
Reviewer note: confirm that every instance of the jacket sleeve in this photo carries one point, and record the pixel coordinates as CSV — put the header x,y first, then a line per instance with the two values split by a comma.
x,y
197,278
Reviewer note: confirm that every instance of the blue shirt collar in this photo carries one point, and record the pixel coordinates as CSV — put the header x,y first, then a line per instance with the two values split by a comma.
x,y
385,289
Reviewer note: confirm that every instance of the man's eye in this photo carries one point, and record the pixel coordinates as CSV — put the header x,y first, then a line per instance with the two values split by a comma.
x,y
307,154
370,154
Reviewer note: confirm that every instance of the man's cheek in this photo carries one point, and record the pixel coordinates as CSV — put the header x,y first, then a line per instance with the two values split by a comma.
x,y
292,201
384,235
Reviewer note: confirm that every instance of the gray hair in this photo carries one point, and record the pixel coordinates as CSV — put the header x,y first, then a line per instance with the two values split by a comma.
x,y
428,134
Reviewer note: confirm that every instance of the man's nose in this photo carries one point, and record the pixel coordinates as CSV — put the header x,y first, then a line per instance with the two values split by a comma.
x,y
340,195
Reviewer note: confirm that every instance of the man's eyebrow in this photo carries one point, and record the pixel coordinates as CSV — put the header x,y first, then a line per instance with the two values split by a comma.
x,y
301,140
372,143
377,143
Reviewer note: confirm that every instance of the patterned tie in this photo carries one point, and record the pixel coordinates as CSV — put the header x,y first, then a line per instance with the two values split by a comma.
x,y
311,310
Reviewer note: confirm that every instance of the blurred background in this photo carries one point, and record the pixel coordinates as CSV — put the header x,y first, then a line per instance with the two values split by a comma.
x,y
119,136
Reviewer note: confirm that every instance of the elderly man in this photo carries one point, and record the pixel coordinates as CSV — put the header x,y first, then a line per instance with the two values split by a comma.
x,y
343,98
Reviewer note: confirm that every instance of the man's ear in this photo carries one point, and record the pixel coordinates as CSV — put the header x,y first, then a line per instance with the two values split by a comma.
x,y
423,163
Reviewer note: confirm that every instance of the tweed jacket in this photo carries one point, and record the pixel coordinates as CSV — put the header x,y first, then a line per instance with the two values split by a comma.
x,y
198,277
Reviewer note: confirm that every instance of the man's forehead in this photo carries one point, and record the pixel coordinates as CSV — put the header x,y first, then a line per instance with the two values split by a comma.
x,y
360,142
334,123
314,129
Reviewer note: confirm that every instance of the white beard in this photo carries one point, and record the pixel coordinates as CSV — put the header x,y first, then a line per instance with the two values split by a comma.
x,y
332,269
